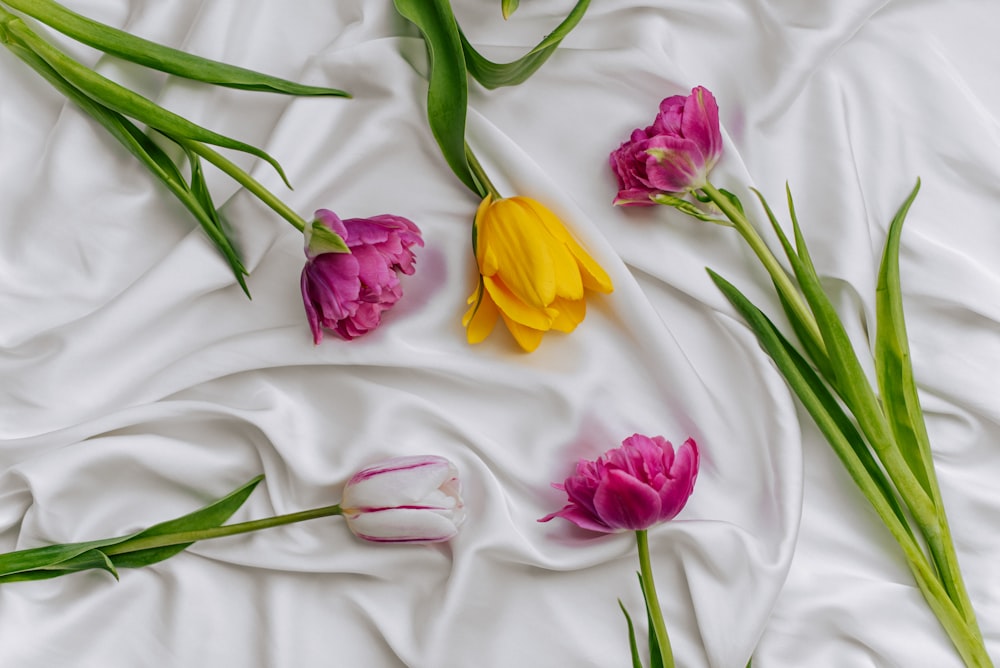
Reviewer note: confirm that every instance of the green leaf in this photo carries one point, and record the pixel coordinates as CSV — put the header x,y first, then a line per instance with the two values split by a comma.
x,y
53,560
733,199
892,359
688,208
447,82
494,75
803,268
122,100
211,516
111,553
508,7
655,651
143,148
150,54
839,430
632,645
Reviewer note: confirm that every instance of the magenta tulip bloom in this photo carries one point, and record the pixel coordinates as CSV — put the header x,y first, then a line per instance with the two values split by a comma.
x,y
405,500
347,292
674,154
632,487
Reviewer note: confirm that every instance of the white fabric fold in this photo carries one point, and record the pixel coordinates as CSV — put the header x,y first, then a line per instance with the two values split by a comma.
x,y
137,382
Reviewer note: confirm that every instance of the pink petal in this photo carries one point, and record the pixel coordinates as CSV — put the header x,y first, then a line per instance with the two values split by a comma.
x,y
623,502
700,124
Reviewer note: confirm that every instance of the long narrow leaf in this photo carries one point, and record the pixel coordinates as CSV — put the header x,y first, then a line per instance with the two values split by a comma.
x,y
143,148
901,403
851,382
656,659
840,432
118,98
493,75
800,264
210,516
150,54
892,359
632,644
447,82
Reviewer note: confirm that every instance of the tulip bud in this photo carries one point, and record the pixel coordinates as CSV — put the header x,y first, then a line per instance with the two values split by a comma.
x,y
405,500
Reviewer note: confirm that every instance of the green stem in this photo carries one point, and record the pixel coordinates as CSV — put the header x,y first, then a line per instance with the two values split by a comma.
x,y
244,179
659,629
184,537
481,176
778,274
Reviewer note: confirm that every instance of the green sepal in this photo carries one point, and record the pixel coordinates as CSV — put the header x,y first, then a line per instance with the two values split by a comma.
x,y
147,152
494,75
688,208
209,517
126,102
321,239
632,644
150,54
508,7
447,82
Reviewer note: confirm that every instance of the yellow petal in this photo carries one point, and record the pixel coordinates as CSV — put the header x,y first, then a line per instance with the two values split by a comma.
x,y
512,307
513,244
571,314
593,275
526,337
568,282
481,317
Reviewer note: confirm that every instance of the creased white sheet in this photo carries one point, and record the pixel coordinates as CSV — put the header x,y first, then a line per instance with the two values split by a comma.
x,y
137,382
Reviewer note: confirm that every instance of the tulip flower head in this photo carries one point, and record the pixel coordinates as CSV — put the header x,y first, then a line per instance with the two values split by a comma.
x,y
533,273
347,292
405,500
674,154
632,487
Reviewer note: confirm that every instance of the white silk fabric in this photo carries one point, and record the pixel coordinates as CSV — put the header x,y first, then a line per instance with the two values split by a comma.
x,y
137,382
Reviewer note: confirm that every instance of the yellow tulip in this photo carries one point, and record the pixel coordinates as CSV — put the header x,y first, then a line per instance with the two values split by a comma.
x,y
533,274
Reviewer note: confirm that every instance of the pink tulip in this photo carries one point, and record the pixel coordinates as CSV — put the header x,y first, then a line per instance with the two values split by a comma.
x,y
674,154
347,292
405,500
632,487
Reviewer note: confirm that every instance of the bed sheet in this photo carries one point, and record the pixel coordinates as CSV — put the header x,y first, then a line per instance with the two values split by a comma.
x,y
137,382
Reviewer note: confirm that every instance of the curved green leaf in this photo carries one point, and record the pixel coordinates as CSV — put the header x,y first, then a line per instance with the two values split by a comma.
x,y
447,82
150,54
122,100
892,358
494,75
508,7
147,152
840,431
209,517
633,646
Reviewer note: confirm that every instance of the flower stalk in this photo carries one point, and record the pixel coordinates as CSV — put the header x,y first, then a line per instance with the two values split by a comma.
x,y
659,629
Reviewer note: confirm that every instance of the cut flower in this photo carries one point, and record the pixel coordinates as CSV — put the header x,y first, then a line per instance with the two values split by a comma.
x,y
674,154
533,273
405,500
347,292
632,487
